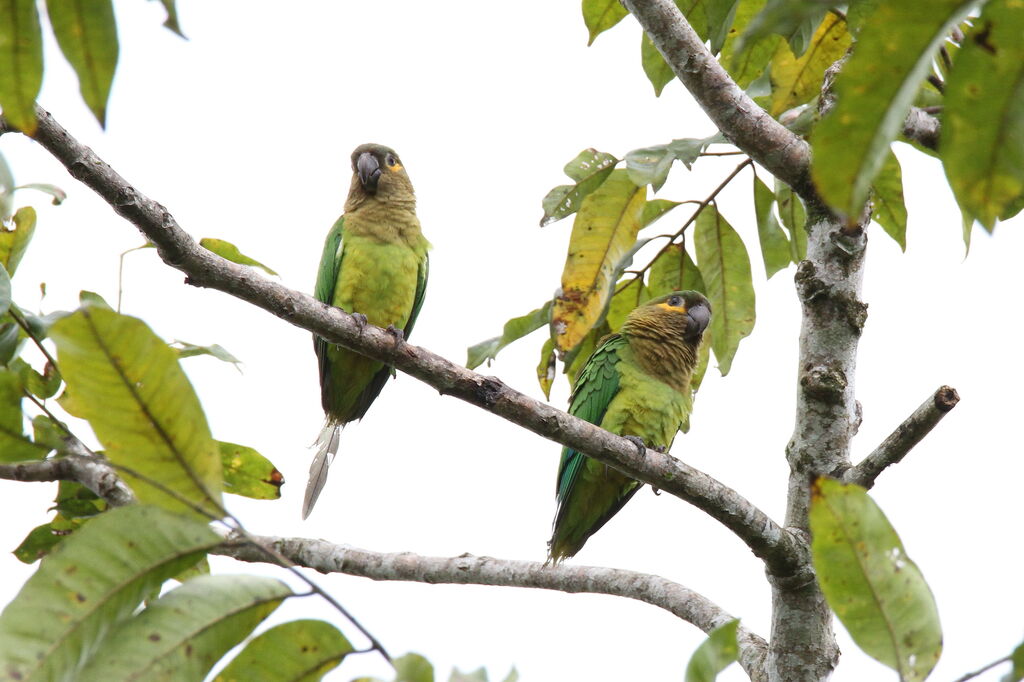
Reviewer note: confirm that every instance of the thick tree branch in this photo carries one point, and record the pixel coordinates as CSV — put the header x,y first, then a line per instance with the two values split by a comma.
x,y
782,551
745,124
467,569
95,473
906,436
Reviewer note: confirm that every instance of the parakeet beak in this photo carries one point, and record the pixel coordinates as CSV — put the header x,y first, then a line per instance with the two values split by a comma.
x,y
369,171
699,318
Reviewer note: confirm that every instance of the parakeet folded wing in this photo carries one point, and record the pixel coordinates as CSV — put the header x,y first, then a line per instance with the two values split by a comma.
x,y
326,280
596,386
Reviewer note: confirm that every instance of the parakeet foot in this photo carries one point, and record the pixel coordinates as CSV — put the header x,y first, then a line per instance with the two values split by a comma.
x,y
639,443
396,332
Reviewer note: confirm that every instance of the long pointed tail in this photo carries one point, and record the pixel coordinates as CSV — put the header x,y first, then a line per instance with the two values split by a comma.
x,y
326,449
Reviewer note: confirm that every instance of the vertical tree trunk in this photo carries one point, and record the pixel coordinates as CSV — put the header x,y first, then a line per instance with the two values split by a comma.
x,y
803,646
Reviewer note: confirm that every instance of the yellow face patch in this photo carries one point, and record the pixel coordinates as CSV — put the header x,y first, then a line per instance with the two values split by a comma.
x,y
395,167
670,308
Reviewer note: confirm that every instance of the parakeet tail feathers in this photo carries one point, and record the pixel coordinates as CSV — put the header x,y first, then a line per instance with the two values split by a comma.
x,y
326,448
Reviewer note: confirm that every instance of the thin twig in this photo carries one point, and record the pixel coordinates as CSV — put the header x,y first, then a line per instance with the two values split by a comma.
x,y
986,668
906,436
20,321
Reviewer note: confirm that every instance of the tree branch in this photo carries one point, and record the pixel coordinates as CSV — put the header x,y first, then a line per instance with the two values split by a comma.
x,y
908,434
467,569
745,124
95,473
923,128
782,551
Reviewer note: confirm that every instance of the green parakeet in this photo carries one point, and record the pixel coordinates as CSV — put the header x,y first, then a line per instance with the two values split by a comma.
x,y
637,383
374,265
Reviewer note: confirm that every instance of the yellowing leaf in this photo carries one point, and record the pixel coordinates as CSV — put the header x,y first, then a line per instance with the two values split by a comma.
x,y
603,233
21,62
128,384
546,367
14,242
248,473
795,81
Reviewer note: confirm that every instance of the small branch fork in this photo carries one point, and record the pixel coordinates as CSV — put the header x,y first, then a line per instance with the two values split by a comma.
x,y
906,436
782,551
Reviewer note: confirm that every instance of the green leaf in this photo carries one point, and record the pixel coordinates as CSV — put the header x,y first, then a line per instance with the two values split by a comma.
x,y
303,650
649,166
747,64
127,383
1017,658
478,675
11,339
546,367
413,668
604,231
248,473
655,209
181,635
44,385
720,15
13,242
725,266
6,187
689,149
230,252
874,92
774,245
47,432
589,169
867,578
673,270
513,676
171,22
38,543
889,210
5,291
794,219
796,80
75,501
184,349
14,444
87,34
514,329
58,195
657,69
96,577
601,15
21,63
715,654
695,13
626,298
983,123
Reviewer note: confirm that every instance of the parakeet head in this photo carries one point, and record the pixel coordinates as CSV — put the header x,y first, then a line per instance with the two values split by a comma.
x,y
377,171
684,314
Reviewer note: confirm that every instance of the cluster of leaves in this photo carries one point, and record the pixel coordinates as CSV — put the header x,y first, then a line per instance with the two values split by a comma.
x,y
416,668
86,32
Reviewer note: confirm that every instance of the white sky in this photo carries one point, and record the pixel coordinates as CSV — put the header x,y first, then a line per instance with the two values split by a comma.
x,y
244,133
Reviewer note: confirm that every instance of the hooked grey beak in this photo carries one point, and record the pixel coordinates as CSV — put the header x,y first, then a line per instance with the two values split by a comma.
x,y
700,318
368,169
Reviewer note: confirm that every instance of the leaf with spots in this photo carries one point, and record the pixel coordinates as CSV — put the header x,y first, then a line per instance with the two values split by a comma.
x,y
300,650
603,233
876,590
589,169
725,267
248,473
185,632
95,578
983,122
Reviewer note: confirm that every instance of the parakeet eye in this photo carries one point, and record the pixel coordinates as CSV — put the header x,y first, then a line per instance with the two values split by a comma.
x,y
675,301
391,160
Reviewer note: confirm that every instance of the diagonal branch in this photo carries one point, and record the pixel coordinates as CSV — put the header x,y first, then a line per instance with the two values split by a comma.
x,y
745,124
467,569
783,552
906,436
95,473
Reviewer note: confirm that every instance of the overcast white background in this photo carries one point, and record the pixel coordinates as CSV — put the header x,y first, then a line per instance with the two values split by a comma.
x,y
244,133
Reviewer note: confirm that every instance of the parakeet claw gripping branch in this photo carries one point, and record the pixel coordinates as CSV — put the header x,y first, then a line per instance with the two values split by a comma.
x,y
636,384
374,265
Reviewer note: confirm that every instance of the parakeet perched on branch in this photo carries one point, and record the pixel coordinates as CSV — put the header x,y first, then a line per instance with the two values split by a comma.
x,y
637,383
374,265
